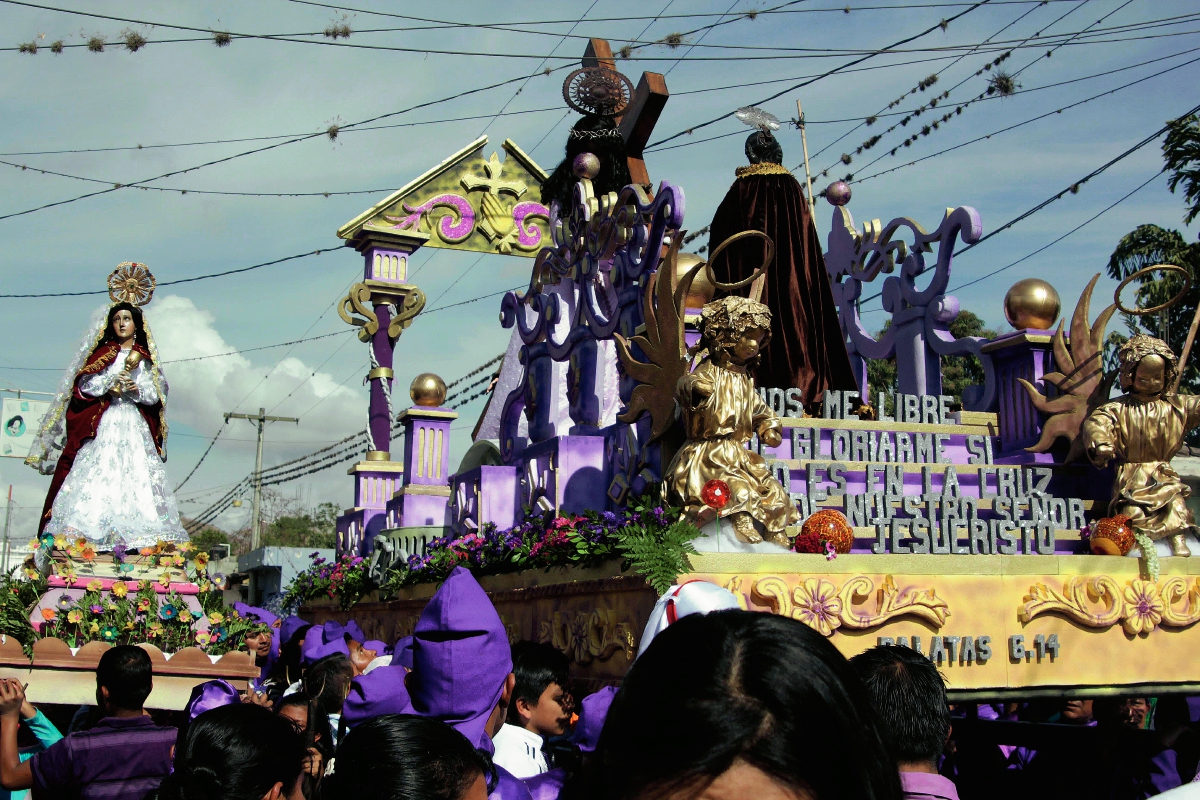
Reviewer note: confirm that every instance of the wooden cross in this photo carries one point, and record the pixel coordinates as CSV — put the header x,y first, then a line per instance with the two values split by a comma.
x,y
637,123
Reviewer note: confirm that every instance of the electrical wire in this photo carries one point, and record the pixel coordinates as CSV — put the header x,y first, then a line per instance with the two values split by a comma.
x,y
203,456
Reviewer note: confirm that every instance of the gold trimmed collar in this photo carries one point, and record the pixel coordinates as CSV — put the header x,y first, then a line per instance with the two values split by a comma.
x,y
763,168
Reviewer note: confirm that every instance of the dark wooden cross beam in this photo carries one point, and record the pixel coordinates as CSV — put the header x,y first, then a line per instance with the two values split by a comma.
x,y
638,121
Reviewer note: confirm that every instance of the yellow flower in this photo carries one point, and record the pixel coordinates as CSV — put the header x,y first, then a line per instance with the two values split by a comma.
x,y
216,618
177,561
1143,607
185,615
187,547
95,585
154,630
164,561
93,627
203,638
200,559
165,579
81,542
74,551
129,625
119,589
32,544
818,606
74,615
205,586
60,542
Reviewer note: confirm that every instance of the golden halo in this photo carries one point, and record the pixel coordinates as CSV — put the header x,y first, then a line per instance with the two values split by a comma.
x,y
131,283
728,287
1187,284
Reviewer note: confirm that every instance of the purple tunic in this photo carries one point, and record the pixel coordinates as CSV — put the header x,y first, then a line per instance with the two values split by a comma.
x,y
121,757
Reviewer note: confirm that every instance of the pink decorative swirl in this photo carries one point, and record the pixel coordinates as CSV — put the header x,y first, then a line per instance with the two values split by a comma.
x,y
531,236
451,227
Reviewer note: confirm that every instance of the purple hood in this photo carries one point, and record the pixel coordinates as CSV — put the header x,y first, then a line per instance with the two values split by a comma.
x,y
461,658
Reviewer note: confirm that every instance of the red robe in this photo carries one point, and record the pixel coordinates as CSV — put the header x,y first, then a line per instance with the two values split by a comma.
x,y
83,419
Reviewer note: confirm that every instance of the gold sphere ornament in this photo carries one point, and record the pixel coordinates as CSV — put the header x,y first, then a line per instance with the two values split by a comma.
x,y
427,390
702,290
830,525
1032,303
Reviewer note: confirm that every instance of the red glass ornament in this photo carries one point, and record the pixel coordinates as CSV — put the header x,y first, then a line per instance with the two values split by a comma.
x,y
715,494
830,525
1112,536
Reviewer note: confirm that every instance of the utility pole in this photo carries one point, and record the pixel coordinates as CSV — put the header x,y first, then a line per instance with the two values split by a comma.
x,y
261,419
7,523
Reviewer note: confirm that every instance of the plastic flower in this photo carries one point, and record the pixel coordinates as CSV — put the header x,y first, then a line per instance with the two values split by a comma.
x,y
109,633
49,614
93,627
155,629
218,580
65,601
187,547
95,585
143,604
165,561
119,589
168,611
818,606
47,540
81,542
88,554
200,559
165,579
60,542
31,573
74,615
146,551
177,561
33,544
216,618
218,633
185,615
129,625
1143,607
96,608
203,638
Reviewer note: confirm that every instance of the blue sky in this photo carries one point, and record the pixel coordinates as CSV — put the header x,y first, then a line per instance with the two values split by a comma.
x,y
168,93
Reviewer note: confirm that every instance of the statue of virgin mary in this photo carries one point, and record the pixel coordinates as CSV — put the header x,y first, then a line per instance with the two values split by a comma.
x,y
104,439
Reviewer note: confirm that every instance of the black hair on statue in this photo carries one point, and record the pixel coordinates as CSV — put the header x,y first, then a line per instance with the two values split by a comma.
x,y
762,147
536,665
139,336
404,757
328,680
235,752
600,137
125,671
738,686
909,695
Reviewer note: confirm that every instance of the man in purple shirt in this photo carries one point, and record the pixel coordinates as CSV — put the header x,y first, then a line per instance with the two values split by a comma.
x,y
909,695
124,756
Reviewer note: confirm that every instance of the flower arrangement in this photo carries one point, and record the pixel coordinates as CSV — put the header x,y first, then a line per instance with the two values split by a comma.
x,y
345,580
650,538
126,610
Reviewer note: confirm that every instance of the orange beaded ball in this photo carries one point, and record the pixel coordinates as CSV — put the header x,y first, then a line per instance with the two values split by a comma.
x,y
1112,536
830,525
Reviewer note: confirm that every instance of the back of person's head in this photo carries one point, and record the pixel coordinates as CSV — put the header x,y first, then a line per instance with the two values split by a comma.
x,y
744,690
125,672
236,752
536,666
328,680
909,695
405,757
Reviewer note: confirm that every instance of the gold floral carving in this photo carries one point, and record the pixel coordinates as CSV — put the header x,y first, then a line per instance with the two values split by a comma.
x,y
588,636
1140,607
819,604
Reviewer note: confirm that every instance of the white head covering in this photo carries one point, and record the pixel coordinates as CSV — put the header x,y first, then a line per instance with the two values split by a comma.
x,y
693,597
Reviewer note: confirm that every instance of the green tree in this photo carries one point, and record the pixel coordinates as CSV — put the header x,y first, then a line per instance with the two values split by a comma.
x,y
1146,246
314,528
1181,151
958,372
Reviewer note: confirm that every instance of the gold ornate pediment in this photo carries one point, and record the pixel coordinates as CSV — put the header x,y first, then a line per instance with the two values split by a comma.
x,y
468,202
1100,602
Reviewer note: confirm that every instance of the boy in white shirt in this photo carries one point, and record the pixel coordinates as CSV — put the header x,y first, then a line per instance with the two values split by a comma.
x,y
538,710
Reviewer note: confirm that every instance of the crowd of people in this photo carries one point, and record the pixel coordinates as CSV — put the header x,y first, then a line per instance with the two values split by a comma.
x,y
719,704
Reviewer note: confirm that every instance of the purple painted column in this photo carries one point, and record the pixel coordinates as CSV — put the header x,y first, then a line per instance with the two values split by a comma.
x,y
1024,354
379,417
422,499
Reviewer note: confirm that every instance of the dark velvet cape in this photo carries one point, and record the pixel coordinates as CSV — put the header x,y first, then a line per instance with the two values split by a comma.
x,y
806,350
83,419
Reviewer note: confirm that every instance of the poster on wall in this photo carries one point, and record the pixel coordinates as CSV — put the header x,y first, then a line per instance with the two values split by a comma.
x,y
19,423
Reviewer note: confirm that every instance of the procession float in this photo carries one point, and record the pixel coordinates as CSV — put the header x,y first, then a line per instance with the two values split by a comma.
x,y
659,418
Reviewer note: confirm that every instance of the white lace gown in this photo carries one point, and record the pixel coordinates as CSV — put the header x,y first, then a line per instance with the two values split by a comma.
x,y
117,488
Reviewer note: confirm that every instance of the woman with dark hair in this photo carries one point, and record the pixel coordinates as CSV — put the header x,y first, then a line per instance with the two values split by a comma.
x,y
104,439
405,757
312,724
236,752
739,704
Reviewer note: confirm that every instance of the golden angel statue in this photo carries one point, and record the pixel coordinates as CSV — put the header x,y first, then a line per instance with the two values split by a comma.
x,y
716,402
1144,429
